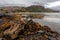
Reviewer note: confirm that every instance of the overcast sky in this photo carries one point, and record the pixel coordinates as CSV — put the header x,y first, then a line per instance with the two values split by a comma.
x,y
53,4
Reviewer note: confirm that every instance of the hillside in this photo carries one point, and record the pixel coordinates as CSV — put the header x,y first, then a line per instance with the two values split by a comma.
x,y
33,8
38,9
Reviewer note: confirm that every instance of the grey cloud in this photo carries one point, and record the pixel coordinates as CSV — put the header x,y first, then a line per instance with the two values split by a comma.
x,y
27,3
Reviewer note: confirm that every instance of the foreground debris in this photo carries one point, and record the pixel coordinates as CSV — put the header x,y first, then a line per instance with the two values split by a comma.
x,y
15,27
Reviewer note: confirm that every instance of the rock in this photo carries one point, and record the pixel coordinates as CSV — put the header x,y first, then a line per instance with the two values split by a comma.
x,y
52,38
15,26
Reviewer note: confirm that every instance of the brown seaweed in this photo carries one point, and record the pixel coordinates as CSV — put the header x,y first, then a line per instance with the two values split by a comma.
x,y
17,28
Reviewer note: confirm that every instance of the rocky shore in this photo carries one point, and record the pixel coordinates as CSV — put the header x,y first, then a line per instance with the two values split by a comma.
x,y
16,27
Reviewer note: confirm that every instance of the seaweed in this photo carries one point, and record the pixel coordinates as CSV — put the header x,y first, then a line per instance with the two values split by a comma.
x,y
23,29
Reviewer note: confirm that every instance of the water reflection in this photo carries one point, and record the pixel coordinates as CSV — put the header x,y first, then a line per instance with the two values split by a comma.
x,y
51,20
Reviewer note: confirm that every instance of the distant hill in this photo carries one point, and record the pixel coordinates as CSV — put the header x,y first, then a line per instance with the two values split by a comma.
x,y
33,8
38,9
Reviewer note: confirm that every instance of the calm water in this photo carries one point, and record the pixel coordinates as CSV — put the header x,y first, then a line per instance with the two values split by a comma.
x,y
51,20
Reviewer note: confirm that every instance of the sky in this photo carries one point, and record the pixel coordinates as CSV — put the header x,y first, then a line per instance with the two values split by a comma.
x,y
52,4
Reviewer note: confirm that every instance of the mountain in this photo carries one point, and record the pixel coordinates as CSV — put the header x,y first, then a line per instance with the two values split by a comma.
x,y
38,9
33,8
